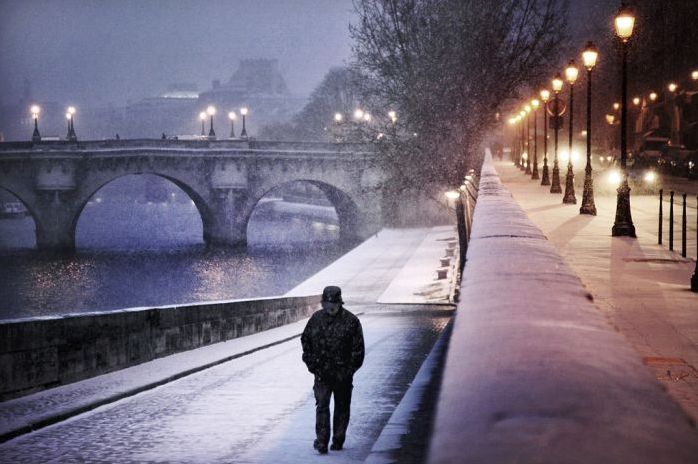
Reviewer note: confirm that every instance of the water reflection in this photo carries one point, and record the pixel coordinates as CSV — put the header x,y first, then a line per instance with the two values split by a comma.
x,y
133,253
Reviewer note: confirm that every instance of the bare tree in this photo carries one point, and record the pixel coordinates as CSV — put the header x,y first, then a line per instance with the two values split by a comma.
x,y
448,67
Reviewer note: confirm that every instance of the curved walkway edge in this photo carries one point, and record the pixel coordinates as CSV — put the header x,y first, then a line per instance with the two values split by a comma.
x,y
534,372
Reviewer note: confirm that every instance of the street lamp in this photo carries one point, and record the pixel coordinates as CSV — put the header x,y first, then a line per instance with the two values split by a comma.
x,y
202,116
211,110
358,114
694,75
527,109
535,103
338,117
522,154
557,87
616,106
232,116
623,225
367,116
571,74
589,56
653,96
243,112
35,110
545,96
636,101
71,124
672,87
393,116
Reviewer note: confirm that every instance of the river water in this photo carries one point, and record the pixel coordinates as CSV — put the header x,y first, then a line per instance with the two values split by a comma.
x,y
134,253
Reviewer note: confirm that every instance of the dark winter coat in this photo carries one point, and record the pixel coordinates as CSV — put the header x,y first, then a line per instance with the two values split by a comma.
x,y
333,346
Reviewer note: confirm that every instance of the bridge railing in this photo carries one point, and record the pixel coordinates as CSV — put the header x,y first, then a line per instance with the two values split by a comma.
x,y
198,144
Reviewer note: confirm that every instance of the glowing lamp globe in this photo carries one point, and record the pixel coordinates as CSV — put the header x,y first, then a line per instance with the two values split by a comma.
x,y
571,72
625,22
589,55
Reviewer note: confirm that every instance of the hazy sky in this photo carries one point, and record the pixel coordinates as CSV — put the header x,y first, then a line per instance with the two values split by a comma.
x,y
96,52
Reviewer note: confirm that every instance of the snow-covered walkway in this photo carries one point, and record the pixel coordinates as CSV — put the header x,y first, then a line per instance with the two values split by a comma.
x,y
256,404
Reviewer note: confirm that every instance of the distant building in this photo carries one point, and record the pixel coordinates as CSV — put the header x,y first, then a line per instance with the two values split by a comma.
x,y
258,85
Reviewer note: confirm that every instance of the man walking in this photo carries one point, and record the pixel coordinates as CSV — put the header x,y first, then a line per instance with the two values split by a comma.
x,y
333,350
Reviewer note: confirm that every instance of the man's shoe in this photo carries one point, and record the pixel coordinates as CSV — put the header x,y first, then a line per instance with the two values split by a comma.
x,y
336,446
322,449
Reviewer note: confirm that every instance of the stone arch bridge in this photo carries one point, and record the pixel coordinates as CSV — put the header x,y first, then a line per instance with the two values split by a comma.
x,y
225,179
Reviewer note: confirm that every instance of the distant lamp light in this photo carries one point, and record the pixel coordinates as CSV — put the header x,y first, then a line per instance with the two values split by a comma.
x,y
590,55
392,115
584,133
211,110
557,83
545,95
71,110
358,113
527,109
535,103
232,116
35,110
338,117
672,87
616,106
571,72
653,96
243,112
625,22
202,115
636,101
694,75
367,116
610,119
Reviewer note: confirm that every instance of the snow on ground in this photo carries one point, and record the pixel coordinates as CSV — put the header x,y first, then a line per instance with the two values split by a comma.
x,y
417,282
641,286
534,371
366,272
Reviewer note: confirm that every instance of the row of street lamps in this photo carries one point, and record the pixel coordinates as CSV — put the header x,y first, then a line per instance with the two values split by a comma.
x,y
211,111
70,114
35,110
623,225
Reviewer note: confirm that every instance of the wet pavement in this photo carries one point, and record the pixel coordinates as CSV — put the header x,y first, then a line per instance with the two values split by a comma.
x,y
254,409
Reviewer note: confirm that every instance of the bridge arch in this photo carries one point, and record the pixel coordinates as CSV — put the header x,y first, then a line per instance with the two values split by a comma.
x,y
23,241
346,208
88,192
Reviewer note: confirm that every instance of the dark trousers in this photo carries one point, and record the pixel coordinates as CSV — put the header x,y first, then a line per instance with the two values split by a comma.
x,y
341,389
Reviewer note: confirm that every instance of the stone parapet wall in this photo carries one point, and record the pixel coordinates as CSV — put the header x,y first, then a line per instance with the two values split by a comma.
x,y
534,372
40,353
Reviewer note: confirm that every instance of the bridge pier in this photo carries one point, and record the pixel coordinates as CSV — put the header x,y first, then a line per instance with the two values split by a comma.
x,y
225,224
55,225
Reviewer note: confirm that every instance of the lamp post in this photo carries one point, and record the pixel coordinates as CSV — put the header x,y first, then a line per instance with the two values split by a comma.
x,y
571,73
243,112
35,110
72,136
232,116
589,56
211,110
557,87
522,153
545,96
527,108
202,116
623,225
535,103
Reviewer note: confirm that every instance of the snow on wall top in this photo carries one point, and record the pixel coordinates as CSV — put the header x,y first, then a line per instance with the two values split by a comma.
x,y
534,372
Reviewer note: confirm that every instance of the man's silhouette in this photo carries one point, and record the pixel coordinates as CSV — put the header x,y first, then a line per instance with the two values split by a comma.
x,y
333,350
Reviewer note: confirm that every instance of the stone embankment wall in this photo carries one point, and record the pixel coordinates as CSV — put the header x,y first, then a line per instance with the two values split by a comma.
x,y
41,353
534,371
